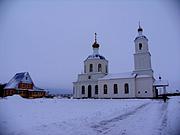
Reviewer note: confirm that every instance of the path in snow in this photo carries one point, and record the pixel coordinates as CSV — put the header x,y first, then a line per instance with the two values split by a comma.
x,y
148,119
103,126
164,118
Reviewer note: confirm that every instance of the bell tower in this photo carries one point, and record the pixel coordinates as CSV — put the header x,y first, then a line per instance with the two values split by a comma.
x,y
142,56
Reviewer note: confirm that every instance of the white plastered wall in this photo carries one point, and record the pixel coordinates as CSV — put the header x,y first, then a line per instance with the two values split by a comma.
x,y
121,92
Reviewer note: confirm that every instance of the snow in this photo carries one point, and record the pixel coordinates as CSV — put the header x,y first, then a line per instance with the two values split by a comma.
x,y
96,56
19,116
141,76
119,75
161,83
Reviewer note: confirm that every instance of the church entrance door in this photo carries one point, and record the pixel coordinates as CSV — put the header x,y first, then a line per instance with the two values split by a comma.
x,y
89,91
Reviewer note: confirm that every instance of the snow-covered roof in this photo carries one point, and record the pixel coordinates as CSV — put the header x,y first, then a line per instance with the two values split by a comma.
x,y
37,88
96,56
160,83
23,77
19,77
141,36
119,75
142,76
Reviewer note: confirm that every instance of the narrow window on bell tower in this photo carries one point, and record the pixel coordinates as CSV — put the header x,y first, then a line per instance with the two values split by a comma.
x,y
106,69
84,68
140,46
99,68
90,67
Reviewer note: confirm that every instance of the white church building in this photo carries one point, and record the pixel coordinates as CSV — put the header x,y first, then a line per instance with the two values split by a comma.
x,y
97,82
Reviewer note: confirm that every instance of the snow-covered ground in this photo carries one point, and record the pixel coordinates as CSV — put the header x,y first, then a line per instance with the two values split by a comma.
x,y
20,116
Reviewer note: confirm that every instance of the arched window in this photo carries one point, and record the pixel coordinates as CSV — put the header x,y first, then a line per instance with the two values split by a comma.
x,y
106,69
99,68
73,90
84,68
83,89
90,67
115,89
140,46
89,77
89,91
96,89
126,88
105,89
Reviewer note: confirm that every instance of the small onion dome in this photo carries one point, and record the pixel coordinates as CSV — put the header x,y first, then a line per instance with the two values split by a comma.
x,y
95,45
140,29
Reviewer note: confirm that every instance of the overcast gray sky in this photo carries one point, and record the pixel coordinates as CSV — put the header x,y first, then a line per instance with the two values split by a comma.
x,y
50,39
